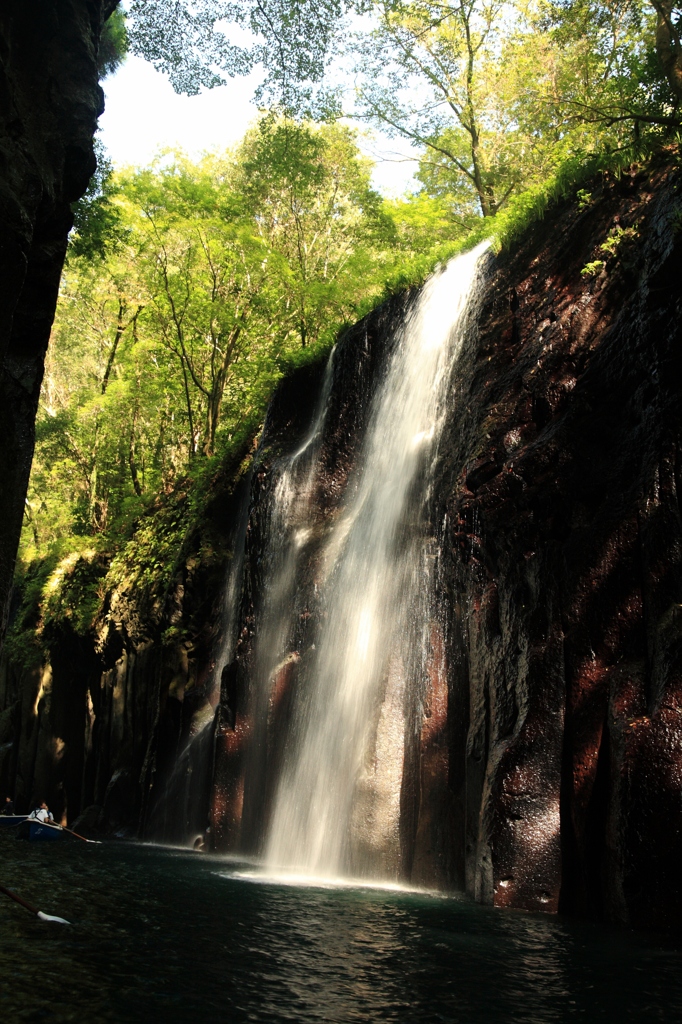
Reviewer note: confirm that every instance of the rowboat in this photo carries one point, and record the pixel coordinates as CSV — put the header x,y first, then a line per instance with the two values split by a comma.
x,y
39,831
11,819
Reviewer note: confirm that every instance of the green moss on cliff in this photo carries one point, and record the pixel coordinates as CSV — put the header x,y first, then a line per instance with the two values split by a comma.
x,y
65,587
76,585
528,207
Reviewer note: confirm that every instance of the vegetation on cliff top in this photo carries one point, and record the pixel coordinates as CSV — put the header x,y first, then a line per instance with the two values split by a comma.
x,y
191,288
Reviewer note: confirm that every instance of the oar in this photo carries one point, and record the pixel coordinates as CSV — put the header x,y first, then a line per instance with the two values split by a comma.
x,y
33,910
70,830
63,828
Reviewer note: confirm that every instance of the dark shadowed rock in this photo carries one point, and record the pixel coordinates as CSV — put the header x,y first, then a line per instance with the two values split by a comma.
x,y
90,823
546,771
50,100
560,482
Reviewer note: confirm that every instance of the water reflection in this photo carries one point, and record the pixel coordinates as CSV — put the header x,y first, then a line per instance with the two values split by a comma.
x,y
162,934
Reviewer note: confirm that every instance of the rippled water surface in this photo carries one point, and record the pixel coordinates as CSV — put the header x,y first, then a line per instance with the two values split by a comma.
x,y
164,935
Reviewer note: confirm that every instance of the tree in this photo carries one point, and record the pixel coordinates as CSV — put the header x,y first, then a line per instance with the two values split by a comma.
x,y
431,74
169,341
84,435
113,43
602,68
498,93
494,92
202,273
96,217
669,43
289,38
315,212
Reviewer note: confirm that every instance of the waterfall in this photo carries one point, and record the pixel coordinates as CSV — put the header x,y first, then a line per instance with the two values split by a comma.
x,y
287,530
336,808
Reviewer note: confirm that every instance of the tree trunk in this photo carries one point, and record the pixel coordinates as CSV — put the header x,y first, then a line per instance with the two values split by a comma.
x,y
133,469
484,194
118,334
215,399
669,45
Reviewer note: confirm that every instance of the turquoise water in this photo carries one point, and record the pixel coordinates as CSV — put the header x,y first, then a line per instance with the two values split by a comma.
x,y
164,935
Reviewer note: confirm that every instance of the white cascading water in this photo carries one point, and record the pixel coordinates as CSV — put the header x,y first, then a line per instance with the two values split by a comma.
x,y
287,532
337,804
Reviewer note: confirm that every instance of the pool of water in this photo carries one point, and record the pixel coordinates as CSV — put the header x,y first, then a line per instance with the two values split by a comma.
x,y
166,935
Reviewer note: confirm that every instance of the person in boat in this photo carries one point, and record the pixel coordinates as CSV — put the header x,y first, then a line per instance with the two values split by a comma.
x,y
8,809
42,813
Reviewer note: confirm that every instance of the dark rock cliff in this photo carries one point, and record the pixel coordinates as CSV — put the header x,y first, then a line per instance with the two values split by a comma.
x,y
564,543
113,720
543,769
50,100
247,758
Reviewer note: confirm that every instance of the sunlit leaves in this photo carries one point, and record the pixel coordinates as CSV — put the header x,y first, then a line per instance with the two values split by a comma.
x,y
497,95
169,343
189,41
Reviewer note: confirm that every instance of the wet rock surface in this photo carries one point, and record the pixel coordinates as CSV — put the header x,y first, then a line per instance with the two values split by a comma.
x,y
114,727
249,738
562,534
547,773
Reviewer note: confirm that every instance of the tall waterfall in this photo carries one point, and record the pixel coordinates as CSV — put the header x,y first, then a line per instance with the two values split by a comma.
x,y
336,807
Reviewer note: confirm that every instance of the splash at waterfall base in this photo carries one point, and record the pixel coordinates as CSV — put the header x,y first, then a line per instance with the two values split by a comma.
x,y
537,763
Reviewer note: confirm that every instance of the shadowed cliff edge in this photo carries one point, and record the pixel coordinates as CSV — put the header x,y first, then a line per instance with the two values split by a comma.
x,y
545,770
50,100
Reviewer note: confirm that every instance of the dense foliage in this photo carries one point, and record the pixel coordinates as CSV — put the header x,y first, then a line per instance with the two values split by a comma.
x,y
593,54
190,288
498,94
187,293
192,44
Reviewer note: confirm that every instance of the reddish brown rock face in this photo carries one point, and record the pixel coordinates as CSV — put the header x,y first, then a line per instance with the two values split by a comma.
x,y
564,535
542,761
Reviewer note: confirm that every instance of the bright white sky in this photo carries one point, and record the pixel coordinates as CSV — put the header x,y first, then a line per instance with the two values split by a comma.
x,y
143,114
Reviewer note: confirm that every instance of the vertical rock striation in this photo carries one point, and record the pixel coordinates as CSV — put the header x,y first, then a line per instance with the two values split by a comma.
x,y
542,761
543,767
560,491
114,721
50,100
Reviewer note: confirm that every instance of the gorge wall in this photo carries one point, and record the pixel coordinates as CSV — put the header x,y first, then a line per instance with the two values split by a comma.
x,y
542,768
95,717
561,490
50,100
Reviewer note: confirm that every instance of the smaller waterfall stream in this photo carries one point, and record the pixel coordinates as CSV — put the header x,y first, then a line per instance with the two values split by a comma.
x,y
337,804
286,534
181,812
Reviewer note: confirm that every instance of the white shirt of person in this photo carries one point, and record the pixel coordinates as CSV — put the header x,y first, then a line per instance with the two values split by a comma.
x,y
42,814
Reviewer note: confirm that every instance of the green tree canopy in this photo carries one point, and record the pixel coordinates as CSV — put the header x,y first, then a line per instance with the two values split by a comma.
x,y
290,39
497,94
170,336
